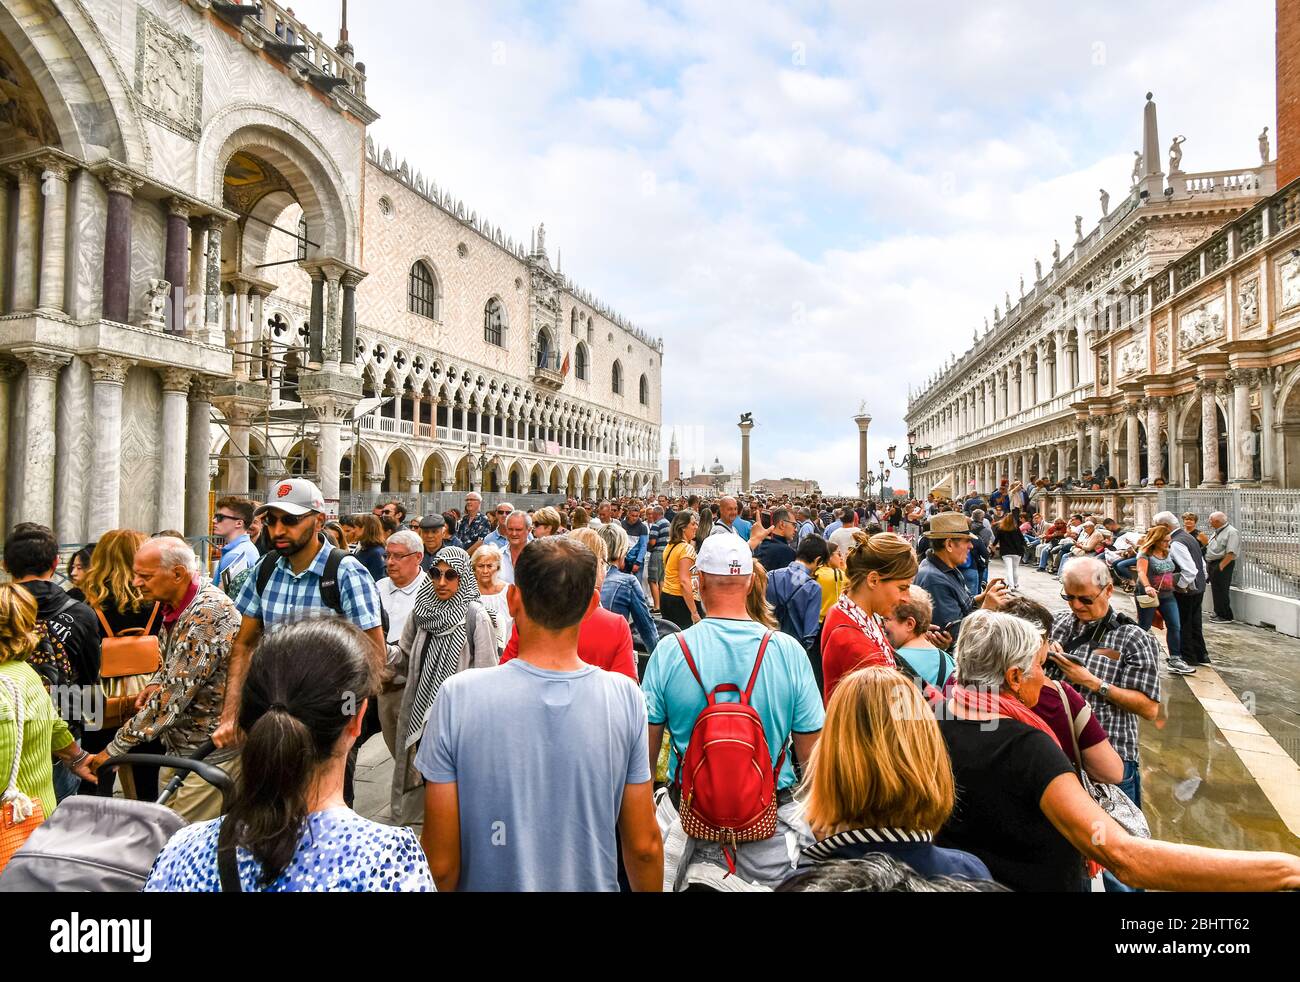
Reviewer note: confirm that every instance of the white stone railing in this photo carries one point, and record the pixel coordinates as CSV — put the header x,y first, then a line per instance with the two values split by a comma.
x,y
284,26
1253,182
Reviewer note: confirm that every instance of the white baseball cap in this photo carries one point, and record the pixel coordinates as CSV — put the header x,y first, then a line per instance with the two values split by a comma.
x,y
295,496
725,555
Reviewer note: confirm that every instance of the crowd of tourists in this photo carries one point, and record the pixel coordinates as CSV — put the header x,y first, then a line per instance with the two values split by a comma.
x,y
793,694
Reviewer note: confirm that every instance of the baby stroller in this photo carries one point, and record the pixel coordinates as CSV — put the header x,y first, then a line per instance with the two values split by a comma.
x,y
107,845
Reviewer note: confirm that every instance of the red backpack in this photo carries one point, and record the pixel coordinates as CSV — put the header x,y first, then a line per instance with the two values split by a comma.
x,y
726,777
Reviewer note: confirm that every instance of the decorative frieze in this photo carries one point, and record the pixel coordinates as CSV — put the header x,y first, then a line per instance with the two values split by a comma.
x,y
1202,324
168,75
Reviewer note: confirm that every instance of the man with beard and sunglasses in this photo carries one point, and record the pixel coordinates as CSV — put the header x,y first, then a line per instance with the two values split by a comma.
x,y
306,577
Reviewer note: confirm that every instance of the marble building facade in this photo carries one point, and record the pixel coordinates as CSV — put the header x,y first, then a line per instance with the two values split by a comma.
x,y
1164,345
206,268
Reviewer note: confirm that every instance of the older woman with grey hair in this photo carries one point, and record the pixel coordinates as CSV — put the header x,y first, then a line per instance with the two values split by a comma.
x,y
1022,809
621,592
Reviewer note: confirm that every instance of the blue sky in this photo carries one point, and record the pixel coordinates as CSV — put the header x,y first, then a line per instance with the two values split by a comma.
x,y
814,204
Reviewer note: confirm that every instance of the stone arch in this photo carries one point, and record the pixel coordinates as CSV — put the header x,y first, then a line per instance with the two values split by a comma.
x,y
1287,426
76,76
400,467
517,477
536,479
319,185
435,470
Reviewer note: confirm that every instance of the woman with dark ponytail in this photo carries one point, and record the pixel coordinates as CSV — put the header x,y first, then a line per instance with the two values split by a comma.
x,y
288,828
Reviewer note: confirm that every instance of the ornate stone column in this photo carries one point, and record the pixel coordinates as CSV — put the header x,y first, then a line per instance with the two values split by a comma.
x,y
212,288
42,383
1094,439
333,318
109,375
1209,437
1267,420
117,245
237,463
253,347
25,250
54,228
1133,461
176,265
329,418
8,370
198,470
1155,468
1062,459
5,249
1025,467
745,429
1081,445
863,419
1239,436
196,290
243,350
348,329
316,337
175,426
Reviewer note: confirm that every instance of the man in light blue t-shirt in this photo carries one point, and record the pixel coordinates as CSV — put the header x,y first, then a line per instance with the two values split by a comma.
x,y
724,646
536,768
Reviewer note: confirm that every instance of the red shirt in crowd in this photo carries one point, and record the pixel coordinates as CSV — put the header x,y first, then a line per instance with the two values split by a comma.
x,y
604,640
1049,710
849,649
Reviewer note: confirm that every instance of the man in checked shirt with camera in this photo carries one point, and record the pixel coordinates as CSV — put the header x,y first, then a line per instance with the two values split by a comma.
x,y
1117,667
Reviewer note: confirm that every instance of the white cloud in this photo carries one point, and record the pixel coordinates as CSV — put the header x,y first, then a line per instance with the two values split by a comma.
x,y
813,204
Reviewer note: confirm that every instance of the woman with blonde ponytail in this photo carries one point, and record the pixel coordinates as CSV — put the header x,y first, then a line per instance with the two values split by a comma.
x,y
288,829
879,571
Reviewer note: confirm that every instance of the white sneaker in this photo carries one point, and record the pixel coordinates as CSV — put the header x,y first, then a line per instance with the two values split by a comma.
x,y
1179,667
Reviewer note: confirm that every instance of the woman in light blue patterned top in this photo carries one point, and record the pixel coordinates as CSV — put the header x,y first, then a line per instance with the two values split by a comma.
x,y
339,851
288,824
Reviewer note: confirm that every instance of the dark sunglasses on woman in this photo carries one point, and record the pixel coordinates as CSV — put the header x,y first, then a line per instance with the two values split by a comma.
x,y
436,575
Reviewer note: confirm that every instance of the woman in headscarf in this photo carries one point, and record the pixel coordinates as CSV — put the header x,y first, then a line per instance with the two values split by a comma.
x,y
449,631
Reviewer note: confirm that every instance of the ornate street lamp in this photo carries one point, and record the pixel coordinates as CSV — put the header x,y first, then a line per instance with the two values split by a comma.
x,y
913,458
882,476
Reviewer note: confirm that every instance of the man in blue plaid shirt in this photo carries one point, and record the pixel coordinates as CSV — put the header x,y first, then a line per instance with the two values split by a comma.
x,y
294,516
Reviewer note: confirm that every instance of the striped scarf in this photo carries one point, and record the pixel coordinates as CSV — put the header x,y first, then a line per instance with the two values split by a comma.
x,y
869,624
444,622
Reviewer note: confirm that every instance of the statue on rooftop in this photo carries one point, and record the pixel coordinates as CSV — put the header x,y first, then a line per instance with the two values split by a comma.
x,y
1137,167
1078,228
1038,269
1176,155
1056,252
1263,146
1105,202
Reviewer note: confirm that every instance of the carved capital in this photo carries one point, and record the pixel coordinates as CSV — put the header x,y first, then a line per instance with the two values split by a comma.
x,y
1131,410
120,182
109,368
54,168
202,387
215,224
176,379
1223,387
26,173
179,207
43,363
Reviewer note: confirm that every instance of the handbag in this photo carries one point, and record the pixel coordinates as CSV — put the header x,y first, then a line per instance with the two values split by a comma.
x,y
20,815
128,660
1109,797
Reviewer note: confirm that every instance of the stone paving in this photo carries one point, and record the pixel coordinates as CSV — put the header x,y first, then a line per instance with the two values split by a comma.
x,y
1222,732
1198,787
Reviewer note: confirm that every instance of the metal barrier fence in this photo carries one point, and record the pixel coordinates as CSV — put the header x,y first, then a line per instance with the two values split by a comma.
x,y
1269,523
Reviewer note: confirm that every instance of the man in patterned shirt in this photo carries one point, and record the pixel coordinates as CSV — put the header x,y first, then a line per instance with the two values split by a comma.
x,y
473,526
294,517
182,702
1119,673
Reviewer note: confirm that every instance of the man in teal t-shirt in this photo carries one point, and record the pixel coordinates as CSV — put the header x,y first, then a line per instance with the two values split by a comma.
x,y
786,698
